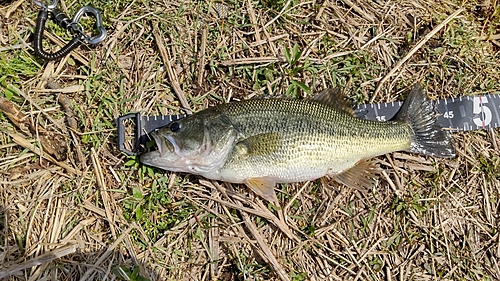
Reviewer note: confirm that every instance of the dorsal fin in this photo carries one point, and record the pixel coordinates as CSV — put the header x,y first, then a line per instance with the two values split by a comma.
x,y
334,98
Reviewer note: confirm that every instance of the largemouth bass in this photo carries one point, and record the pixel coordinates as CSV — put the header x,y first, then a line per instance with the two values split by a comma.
x,y
261,142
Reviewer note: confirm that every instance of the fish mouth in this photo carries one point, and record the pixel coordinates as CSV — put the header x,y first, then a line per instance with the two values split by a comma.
x,y
165,144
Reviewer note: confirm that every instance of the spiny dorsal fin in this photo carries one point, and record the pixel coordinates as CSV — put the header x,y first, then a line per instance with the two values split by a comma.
x,y
261,144
333,97
264,187
360,176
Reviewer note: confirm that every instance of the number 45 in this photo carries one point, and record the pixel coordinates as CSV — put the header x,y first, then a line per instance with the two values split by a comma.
x,y
448,114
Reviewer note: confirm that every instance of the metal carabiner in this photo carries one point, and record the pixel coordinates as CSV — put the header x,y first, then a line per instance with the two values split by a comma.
x,y
41,19
70,24
102,33
49,7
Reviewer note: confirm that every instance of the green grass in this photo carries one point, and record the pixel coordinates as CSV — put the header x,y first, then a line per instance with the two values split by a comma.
x,y
439,224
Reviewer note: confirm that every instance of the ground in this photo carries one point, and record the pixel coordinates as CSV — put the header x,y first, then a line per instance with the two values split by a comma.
x,y
73,207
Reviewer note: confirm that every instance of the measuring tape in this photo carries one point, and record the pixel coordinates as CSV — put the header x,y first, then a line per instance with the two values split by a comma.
x,y
456,114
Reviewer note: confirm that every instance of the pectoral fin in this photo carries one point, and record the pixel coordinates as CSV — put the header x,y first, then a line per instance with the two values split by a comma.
x,y
264,187
261,144
360,176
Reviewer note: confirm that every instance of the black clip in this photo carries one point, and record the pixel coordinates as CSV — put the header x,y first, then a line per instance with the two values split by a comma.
x,y
121,133
143,126
72,25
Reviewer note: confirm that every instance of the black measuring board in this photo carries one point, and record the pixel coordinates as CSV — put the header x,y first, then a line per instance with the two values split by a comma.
x,y
455,114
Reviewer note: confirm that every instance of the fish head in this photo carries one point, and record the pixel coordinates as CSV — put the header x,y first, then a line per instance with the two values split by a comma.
x,y
198,144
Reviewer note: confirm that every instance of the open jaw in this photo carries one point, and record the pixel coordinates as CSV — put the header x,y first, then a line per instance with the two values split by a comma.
x,y
157,157
166,143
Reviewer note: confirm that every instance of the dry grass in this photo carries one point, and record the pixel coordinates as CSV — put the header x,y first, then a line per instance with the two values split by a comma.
x,y
83,211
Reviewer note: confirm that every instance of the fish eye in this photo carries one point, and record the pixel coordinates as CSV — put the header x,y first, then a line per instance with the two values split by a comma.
x,y
174,127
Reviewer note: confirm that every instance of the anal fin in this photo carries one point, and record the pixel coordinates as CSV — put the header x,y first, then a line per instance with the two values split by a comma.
x,y
264,187
360,176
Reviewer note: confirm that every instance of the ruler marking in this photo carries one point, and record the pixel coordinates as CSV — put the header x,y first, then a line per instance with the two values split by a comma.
x,y
462,111
376,112
482,110
493,104
447,113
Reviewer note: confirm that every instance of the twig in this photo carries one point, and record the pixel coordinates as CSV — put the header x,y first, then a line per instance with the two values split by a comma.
x,y
493,139
107,253
271,21
253,20
269,256
238,207
268,40
285,210
270,59
279,221
76,229
13,47
40,260
103,190
414,50
279,15
28,98
213,240
359,10
263,212
26,144
52,142
67,90
17,117
252,60
170,71
201,65
70,120
12,9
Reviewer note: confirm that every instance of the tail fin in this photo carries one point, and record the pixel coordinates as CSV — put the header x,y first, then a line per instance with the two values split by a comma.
x,y
421,114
